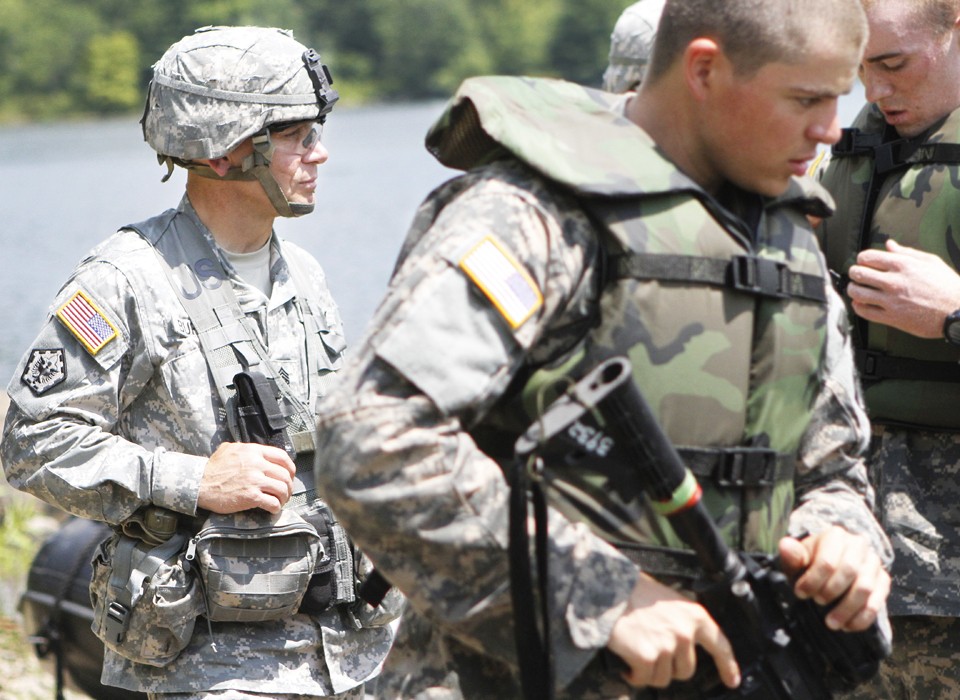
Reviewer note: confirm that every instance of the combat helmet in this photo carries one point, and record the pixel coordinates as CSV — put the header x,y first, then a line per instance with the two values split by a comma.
x,y
631,44
220,85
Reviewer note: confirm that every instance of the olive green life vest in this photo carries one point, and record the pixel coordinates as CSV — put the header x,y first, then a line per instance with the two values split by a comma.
x,y
909,192
725,335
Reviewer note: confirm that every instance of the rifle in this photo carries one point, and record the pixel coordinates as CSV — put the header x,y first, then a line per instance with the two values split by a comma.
x,y
784,648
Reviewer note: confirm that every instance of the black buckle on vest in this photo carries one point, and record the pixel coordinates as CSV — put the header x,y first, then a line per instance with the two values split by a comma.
x,y
886,157
760,276
868,363
747,467
854,142
847,144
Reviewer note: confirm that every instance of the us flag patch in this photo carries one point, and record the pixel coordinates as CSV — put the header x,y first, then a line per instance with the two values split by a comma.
x,y
85,320
498,274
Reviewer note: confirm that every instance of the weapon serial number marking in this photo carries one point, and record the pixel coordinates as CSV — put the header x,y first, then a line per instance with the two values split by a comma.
x,y
591,439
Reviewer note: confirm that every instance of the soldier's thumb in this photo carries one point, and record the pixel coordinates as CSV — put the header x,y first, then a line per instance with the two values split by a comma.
x,y
794,556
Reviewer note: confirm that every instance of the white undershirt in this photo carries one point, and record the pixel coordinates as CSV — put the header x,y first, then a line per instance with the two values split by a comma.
x,y
253,268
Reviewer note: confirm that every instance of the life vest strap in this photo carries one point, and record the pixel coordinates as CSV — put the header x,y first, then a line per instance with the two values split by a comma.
x,y
874,366
743,273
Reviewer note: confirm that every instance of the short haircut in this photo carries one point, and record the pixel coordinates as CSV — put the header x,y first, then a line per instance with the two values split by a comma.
x,y
753,33
940,15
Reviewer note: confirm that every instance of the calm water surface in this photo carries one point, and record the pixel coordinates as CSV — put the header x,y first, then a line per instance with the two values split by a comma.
x,y
65,187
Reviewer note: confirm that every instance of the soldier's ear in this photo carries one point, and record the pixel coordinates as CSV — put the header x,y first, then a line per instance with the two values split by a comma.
x,y
219,165
702,61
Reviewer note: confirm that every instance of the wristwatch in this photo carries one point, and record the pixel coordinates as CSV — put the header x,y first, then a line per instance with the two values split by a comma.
x,y
951,327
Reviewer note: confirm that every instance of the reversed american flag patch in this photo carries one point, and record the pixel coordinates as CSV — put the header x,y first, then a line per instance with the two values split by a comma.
x,y
85,320
504,281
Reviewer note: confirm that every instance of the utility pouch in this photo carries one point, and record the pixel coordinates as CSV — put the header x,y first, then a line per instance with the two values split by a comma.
x,y
153,525
254,566
145,602
257,412
334,578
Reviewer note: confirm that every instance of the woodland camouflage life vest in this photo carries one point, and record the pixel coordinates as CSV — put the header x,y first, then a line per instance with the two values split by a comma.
x,y
908,191
725,335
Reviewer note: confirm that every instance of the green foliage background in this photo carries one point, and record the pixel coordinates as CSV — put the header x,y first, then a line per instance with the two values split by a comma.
x,y
62,59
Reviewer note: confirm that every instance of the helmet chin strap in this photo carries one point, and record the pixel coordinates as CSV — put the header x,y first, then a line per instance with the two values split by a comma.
x,y
256,166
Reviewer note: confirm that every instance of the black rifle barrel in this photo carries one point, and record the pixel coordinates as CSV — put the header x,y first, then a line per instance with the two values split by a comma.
x,y
671,487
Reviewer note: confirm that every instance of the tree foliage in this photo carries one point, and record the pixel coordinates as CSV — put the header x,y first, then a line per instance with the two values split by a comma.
x,y
61,59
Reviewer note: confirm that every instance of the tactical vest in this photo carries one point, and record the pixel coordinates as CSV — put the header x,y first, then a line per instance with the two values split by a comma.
x,y
231,343
908,191
229,340
725,334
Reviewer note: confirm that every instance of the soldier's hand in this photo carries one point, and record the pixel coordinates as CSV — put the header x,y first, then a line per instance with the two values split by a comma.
x,y
241,475
837,565
908,289
658,634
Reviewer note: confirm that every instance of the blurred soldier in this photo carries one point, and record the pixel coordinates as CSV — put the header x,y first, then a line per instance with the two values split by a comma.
x,y
574,234
631,44
895,244
128,407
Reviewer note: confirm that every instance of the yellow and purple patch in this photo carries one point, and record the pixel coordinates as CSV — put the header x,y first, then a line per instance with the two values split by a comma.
x,y
87,322
503,280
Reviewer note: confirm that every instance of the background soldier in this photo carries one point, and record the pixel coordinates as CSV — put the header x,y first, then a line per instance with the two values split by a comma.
x,y
895,240
631,44
500,276
124,406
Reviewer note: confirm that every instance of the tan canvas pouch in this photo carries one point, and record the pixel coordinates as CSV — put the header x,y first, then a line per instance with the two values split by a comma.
x,y
254,566
145,602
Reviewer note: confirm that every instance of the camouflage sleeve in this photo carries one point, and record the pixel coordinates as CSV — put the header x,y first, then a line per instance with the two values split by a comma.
x,y
61,439
401,469
832,482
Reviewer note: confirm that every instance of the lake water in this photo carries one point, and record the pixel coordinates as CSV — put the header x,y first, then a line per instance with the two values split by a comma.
x,y
64,187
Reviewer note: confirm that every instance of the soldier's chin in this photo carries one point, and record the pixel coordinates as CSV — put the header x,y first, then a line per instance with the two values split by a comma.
x,y
301,208
769,186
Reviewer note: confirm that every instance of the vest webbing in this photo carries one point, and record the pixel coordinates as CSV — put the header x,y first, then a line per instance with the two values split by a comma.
x,y
874,365
744,273
231,343
892,155
739,467
888,157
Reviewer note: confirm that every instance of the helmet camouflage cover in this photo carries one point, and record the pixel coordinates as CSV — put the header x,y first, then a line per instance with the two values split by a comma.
x,y
220,85
631,44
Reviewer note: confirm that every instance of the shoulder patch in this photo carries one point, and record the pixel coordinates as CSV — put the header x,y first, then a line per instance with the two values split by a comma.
x,y
503,280
44,370
87,322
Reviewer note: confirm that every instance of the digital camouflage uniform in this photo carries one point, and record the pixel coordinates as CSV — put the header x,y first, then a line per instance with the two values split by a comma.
x,y
129,387
914,456
100,435
500,274
630,45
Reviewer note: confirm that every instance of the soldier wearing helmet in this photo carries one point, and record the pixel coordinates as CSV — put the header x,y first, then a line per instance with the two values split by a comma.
x,y
631,44
171,393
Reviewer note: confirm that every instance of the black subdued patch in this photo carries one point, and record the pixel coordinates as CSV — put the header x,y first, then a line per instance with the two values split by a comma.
x,y
45,369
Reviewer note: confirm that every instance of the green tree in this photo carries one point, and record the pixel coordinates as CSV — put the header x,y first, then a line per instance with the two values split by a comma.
x,y
423,45
42,45
70,58
517,33
343,34
580,46
113,78
275,13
